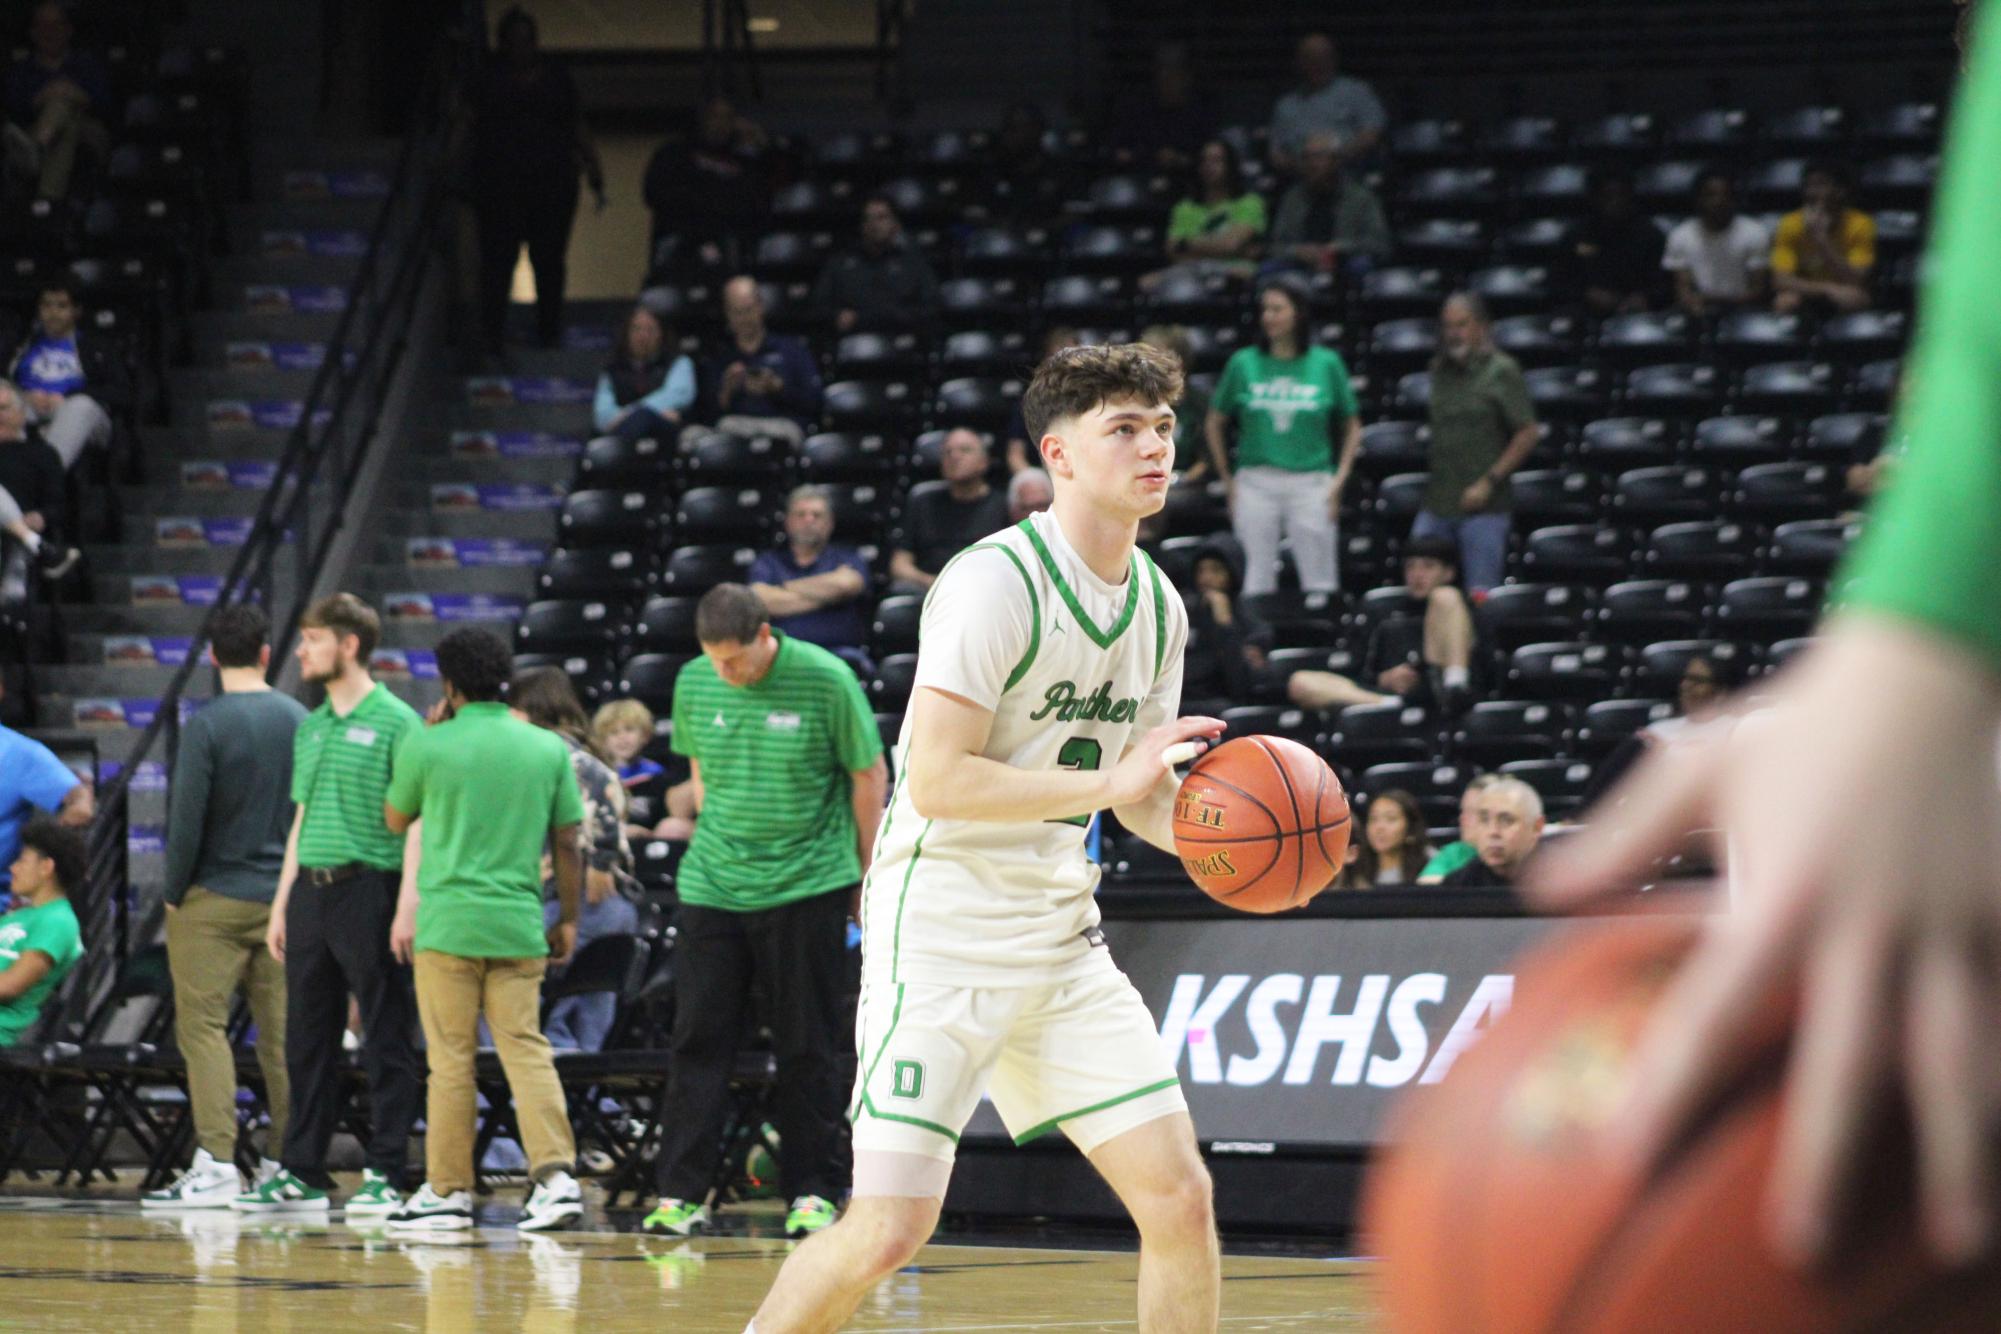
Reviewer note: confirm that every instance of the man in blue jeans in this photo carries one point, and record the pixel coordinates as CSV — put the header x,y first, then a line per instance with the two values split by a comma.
x,y
1483,428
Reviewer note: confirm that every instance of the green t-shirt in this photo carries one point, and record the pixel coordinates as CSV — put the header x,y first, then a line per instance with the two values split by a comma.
x,y
1933,542
489,788
778,819
340,773
1476,409
1449,859
50,928
1192,218
1287,411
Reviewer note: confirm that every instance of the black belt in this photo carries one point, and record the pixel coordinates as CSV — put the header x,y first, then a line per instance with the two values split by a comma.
x,y
322,876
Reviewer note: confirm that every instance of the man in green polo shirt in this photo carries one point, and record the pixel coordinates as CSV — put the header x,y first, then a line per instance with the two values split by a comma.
x,y
491,790
789,765
1483,428
330,921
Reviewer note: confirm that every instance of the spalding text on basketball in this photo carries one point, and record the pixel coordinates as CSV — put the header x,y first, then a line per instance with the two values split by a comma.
x,y
1211,866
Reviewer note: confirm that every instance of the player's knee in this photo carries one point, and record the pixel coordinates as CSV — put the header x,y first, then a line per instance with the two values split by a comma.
x,y
892,1236
1182,1207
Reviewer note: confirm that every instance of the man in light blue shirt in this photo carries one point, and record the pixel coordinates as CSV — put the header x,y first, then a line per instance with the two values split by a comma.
x,y
1325,103
33,779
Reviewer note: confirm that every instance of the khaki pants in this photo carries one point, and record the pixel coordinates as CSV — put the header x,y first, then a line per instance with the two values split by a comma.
x,y
451,994
215,944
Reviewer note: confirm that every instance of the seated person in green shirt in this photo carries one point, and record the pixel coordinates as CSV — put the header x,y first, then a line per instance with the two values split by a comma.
x,y
491,790
1457,854
39,940
1219,228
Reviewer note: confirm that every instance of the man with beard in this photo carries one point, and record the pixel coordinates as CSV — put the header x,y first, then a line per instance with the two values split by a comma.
x,y
330,921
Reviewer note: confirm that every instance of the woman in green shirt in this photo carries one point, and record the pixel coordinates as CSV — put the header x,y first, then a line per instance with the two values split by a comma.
x,y
1860,804
1290,401
1219,227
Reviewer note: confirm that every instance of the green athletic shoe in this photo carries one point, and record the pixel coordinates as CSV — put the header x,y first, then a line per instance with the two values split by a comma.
x,y
809,1214
282,1194
676,1218
376,1198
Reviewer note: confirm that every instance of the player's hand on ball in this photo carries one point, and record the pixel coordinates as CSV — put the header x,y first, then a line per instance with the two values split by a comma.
x,y
1863,820
1145,767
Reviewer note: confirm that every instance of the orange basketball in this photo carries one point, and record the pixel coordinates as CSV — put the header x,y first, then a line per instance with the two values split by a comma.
x,y
1495,1208
1261,824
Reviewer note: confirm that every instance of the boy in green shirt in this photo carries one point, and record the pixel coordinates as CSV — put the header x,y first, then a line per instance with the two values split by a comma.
x,y
491,789
39,940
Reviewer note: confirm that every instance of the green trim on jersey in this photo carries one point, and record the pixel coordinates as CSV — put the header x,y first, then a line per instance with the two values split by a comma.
x,y
1159,618
1037,1132
1034,606
902,897
868,1105
1102,638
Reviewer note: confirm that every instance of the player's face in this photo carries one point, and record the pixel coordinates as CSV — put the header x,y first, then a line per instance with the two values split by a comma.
x,y
1119,456
324,655
1387,825
741,664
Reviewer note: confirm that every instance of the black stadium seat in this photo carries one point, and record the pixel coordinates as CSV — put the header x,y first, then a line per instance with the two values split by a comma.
x,y
1608,722
611,463
889,690
598,572
1394,446
1660,665
1577,553
1560,782
1572,670
608,519
1571,393
1437,786
1517,614
666,625
1273,720
1398,497
1706,549
1556,495
1769,607
1495,731
1675,389
1797,388
1733,442
649,678
867,405
1810,546
1614,444
694,570
1646,338
713,459
1539,340
1370,734
1748,337
1865,335
847,456
739,514
1641,611
1649,496
1844,437
592,675
565,626
981,402
1770,492
895,629
1398,347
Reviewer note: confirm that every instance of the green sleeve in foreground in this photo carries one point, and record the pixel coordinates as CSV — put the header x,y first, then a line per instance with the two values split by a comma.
x,y
1933,543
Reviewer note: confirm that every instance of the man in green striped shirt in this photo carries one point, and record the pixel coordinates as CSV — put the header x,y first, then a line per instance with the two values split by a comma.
x,y
1862,808
788,763
331,918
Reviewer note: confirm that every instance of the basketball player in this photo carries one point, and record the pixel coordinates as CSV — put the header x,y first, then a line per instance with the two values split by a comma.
x,y
1863,808
1047,683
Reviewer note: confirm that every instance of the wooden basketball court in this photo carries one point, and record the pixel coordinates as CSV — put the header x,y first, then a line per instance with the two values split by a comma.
x,y
103,1266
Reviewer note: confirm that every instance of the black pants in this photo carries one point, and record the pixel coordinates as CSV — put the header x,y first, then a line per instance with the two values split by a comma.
x,y
539,218
336,942
796,956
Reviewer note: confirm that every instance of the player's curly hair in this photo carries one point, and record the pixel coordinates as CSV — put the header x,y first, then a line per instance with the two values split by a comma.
x,y
1077,380
476,662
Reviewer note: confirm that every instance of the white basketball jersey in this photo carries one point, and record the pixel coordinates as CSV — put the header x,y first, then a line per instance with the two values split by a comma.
x,y
1074,670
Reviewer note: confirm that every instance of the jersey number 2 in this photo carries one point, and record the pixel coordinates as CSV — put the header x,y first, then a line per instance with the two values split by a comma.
x,y
1083,754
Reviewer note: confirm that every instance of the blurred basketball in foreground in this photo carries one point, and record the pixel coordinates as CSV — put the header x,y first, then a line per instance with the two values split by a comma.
x,y
1496,1209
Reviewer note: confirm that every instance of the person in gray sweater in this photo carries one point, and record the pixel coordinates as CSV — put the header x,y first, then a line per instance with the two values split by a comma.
x,y
229,809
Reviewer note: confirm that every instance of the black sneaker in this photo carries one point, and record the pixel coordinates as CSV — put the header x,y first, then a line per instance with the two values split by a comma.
x,y
55,561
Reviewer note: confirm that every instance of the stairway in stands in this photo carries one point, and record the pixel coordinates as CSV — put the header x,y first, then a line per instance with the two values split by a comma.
x,y
276,300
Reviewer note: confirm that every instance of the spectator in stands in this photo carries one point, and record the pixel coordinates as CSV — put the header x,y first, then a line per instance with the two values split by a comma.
x,y
39,940
73,381
1166,128
472,927
229,809
659,802
761,383
811,589
1029,492
1298,429
31,502
331,919
1021,451
1346,110
788,825
1421,652
940,522
528,145
882,284
1823,252
543,696
1031,183
1511,825
1466,848
1616,255
707,195
1719,258
1191,453
647,385
33,780
1328,218
58,99
1218,230
1227,640
1706,682
1483,428
1870,465
1394,845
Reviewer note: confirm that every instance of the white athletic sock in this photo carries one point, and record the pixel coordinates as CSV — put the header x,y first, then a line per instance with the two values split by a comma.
x,y
1455,678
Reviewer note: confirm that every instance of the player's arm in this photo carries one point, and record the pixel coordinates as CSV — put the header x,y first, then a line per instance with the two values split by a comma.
x,y
1151,816
950,779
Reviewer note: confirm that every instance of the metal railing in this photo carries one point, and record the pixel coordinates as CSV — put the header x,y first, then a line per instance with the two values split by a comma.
x,y
306,505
